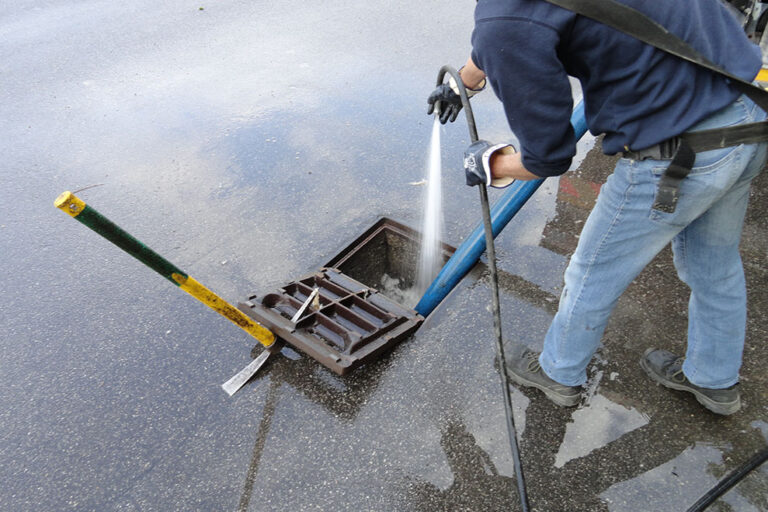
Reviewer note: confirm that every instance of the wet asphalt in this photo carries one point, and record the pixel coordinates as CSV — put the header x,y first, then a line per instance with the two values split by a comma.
x,y
249,142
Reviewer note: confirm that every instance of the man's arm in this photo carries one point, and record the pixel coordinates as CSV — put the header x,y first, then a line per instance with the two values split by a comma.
x,y
504,165
471,75
525,71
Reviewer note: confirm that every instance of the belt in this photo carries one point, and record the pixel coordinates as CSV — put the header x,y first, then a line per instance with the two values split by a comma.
x,y
664,150
705,140
681,150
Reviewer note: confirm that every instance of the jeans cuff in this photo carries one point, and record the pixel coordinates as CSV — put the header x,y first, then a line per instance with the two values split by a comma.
x,y
578,380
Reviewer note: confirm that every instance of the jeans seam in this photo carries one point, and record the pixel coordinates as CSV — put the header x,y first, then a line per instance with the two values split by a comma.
x,y
693,328
588,270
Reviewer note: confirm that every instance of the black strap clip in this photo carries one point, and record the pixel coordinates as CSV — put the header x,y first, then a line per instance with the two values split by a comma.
x,y
668,191
666,196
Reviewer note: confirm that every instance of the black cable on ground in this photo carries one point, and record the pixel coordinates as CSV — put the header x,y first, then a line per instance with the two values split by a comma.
x,y
734,477
490,248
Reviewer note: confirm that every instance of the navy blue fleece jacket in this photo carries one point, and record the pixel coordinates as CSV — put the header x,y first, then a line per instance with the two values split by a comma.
x,y
635,94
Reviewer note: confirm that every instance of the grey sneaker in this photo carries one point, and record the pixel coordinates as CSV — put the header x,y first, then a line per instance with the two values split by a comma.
x,y
667,369
526,371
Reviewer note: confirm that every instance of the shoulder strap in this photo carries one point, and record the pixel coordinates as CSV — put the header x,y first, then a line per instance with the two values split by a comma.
x,y
636,24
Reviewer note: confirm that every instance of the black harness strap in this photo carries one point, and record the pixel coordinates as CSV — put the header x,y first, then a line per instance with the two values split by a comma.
x,y
706,140
636,24
669,186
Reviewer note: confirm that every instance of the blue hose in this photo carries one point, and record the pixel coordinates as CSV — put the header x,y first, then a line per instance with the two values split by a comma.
x,y
465,257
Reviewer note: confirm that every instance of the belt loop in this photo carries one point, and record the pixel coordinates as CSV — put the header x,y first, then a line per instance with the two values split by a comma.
x,y
668,148
669,186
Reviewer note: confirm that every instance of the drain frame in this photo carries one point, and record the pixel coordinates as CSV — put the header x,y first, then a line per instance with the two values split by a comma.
x,y
356,323
382,227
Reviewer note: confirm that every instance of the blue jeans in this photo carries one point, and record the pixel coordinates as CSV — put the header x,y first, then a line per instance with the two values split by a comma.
x,y
623,234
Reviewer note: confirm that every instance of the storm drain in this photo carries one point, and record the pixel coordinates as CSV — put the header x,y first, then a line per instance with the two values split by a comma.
x,y
386,258
351,321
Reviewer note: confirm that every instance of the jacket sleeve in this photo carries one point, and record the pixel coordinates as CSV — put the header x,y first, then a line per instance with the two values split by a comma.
x,y
520,60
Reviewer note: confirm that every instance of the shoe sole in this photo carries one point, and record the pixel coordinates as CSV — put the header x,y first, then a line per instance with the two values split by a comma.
x,y
561,400
723,408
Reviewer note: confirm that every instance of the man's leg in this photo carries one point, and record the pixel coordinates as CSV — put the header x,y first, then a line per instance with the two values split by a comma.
x,y
617,242
707,259
623,233
706,255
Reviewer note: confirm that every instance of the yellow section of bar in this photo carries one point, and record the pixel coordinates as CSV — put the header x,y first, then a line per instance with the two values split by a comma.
x,y
225,309
69,203
762,75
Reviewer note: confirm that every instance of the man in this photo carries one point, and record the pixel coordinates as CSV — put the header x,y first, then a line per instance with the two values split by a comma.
x,y
640,98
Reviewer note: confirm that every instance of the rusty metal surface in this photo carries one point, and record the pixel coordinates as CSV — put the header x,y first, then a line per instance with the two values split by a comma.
x,y
386,257
353,325
355,319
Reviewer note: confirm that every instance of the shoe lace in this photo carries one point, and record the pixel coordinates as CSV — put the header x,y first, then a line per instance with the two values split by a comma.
x,y
533,362
678,374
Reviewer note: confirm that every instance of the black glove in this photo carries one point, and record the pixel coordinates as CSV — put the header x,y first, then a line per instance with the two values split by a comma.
x,y
447,100
477,165
448,103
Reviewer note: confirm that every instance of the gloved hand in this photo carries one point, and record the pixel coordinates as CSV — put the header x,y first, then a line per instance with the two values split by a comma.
x,y
447,100
477,164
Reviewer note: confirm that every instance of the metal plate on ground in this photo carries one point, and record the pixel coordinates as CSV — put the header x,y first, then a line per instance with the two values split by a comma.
x,y
349,325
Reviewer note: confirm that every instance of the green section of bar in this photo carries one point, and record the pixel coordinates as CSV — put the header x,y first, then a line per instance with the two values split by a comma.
x,y
115,234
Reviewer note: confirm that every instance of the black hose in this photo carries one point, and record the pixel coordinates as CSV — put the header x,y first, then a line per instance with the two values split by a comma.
x,y
729,481
490,248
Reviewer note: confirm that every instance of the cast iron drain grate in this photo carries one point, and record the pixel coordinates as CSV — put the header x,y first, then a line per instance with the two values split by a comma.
x,y
349,325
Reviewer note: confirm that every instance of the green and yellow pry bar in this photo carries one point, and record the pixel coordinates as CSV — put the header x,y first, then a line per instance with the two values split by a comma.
x,y
76,208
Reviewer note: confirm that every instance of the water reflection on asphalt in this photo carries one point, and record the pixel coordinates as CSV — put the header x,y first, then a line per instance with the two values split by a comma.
x,y
249,144
596,425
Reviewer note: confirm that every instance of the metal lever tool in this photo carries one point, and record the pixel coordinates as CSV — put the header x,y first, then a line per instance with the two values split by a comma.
x,y
244,375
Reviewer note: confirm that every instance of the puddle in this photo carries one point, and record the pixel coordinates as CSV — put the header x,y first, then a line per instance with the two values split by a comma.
x,y
595,426
677,484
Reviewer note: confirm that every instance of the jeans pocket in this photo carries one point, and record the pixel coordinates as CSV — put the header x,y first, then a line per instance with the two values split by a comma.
x,y
707,162
702,187
710,161
670,219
